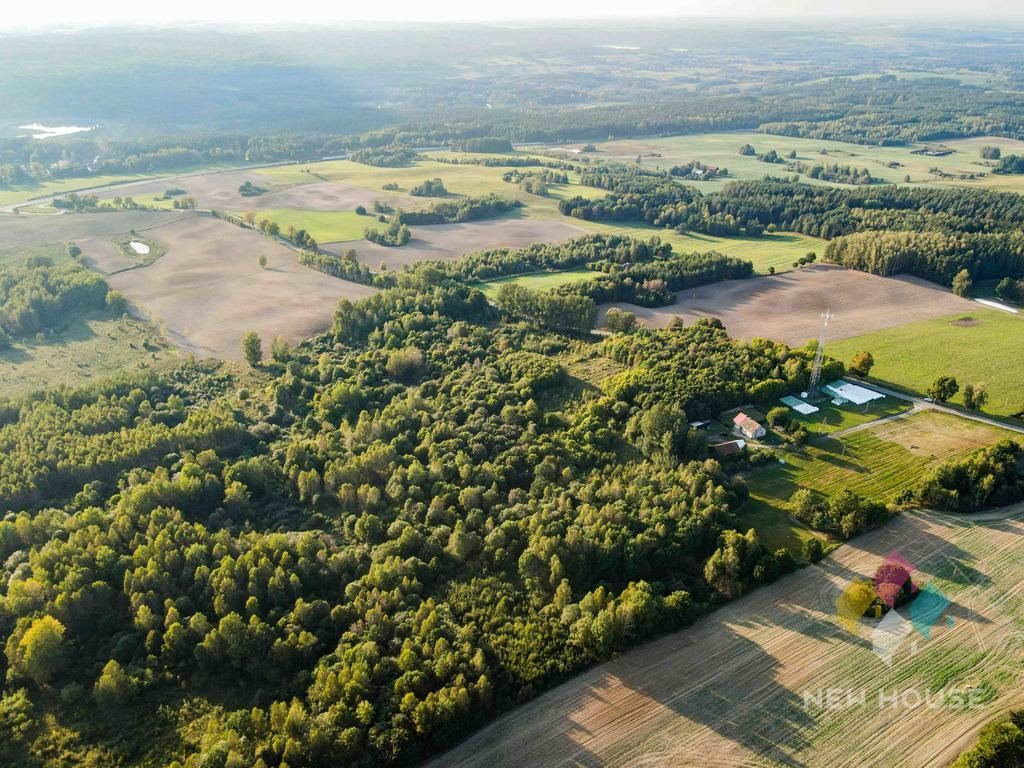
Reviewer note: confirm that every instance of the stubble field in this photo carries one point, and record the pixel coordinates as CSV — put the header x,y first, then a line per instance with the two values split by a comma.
x,y
733,690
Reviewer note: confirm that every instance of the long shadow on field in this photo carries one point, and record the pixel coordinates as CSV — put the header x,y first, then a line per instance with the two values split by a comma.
x,y
927,551
760,715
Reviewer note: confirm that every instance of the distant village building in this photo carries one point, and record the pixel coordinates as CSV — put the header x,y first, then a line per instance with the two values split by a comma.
x,y
750,429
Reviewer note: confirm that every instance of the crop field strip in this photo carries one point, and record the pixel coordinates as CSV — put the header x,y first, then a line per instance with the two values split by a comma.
x,y
728,691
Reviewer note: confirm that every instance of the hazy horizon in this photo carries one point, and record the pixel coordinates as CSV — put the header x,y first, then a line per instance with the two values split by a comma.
x,y
64,14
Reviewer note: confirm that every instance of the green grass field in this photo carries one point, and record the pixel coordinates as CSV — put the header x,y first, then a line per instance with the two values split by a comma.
x,y
538,281
891,164
91,349
24,192
985,346
831,418
778,250
878,462
326,226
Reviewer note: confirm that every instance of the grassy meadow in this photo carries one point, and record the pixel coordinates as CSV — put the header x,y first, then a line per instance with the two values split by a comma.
x,y
878,462
777,250
538,281
88,350
18,193
325,226
468,180
985,346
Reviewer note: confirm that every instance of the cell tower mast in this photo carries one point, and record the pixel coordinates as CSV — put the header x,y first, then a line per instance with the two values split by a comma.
x,y
819,354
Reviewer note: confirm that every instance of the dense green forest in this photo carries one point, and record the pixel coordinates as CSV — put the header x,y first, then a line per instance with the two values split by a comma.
x,y
462,210
887,229
990,477
407,529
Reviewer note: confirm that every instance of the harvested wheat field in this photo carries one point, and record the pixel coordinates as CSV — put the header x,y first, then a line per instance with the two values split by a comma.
x,y
451,241
208,289
749,684
788,307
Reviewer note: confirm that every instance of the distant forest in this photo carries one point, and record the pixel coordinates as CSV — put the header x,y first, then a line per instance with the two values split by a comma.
x,y
269,96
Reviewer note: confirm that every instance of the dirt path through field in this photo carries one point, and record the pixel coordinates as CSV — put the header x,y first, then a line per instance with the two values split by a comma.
x,y
731,690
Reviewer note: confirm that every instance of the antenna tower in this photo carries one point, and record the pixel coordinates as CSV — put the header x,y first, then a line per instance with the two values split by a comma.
x,y
819,354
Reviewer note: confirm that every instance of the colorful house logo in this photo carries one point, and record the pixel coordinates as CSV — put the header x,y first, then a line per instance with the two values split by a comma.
x,y
902,609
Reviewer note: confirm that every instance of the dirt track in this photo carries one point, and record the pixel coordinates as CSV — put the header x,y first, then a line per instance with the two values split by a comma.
x,y
208,289
730,690
451,241
788,307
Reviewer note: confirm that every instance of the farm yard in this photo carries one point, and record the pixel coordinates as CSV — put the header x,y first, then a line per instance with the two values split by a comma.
x,y
787,307
878,461
744,685
832,418
892,445
977,346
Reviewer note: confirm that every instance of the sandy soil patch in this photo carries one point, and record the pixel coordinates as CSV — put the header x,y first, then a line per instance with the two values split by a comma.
x,y
730,690
451,241
788,307
208,289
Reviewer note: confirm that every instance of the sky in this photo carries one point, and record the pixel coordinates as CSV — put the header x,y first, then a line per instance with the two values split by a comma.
x,y
112,12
